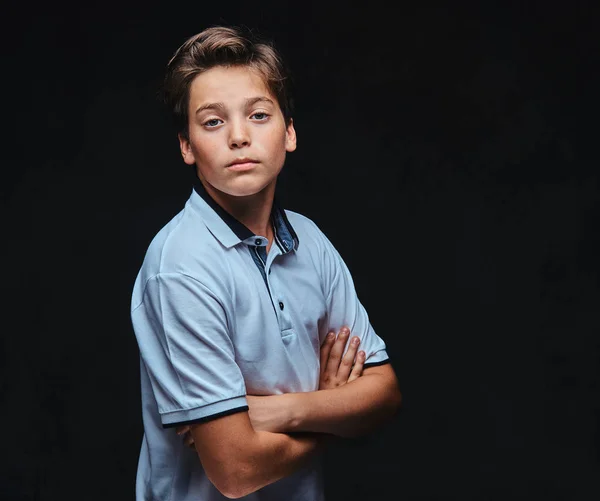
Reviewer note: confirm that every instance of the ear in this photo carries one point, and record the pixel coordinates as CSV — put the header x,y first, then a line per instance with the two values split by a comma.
x,y
186,150
290,137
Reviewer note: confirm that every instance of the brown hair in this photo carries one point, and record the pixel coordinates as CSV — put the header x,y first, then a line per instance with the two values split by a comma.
x,y
222,46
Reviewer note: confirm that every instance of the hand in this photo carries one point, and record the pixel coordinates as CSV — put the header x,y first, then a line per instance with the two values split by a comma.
x,y
188,439
335,370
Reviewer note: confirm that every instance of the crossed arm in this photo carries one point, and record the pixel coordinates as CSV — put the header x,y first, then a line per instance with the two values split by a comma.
x,y
246,451
350,402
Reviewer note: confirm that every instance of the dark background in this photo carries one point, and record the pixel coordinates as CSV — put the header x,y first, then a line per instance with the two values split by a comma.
x,y
447,151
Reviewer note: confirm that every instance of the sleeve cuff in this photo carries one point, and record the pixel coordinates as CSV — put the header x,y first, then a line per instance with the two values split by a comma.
x,y
375,364
204,413
378,358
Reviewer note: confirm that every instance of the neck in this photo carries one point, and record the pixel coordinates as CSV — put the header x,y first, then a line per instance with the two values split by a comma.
x,y
253,211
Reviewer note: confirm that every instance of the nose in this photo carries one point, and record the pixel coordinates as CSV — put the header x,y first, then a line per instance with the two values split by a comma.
x,y
238,135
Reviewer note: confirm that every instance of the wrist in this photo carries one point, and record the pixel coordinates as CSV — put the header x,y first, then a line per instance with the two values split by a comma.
x,y
295,411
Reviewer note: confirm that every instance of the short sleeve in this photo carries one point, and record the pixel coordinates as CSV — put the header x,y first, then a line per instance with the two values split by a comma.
x,y
183,337
344,307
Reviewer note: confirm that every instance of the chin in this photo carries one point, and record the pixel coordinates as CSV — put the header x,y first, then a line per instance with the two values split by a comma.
x,y
245,188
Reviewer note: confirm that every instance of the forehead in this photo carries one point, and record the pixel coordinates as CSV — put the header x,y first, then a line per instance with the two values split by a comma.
x,y
229,85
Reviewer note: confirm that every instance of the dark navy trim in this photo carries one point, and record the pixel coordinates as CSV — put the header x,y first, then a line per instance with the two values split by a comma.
x,y
375,364
281,224
240,229
259,261
288,236
208,418
282,245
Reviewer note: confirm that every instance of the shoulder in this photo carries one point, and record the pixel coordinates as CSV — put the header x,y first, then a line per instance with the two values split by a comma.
x,y
311,235
307,230
315,244
182,247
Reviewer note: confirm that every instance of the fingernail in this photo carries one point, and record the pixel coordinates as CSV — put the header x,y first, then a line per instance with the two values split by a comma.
x,y
330,335
361,354
355,341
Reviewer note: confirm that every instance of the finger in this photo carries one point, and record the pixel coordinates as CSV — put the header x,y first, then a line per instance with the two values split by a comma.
x,y
335,356
182,429
326,349
189,440
358,366
348,359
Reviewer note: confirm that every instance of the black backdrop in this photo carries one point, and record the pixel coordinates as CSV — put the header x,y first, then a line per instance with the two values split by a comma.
x,y
445,150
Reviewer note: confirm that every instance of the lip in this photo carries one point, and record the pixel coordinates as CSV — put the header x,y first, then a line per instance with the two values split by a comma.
x,y
242,164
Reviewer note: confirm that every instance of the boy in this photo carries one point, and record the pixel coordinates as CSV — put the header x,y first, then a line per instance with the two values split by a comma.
x,y
235,298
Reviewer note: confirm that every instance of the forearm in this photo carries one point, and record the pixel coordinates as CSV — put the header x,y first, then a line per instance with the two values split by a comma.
x,y
350,410
273,456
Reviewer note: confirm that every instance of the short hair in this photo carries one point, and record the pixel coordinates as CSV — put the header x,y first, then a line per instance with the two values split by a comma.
x,y
223,46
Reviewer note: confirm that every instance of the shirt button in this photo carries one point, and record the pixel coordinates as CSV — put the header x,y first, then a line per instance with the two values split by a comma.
x,y
280,305
258,241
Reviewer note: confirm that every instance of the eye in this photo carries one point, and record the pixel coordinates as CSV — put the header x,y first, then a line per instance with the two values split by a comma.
x,y
261,116
211,123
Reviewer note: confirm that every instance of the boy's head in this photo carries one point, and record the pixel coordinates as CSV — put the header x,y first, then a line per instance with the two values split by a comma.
x,y
223,46
230,99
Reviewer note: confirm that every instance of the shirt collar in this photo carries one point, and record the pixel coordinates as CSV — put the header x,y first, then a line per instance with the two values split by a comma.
x,y
229,231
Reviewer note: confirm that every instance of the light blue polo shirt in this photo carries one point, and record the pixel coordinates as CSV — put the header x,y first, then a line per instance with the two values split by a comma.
x,y
217,318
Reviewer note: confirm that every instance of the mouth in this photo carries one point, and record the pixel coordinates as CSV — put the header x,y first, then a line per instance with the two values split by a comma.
x,y
242,164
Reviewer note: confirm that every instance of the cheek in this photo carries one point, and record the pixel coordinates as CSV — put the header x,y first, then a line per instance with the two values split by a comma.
x,y
276,141
206,149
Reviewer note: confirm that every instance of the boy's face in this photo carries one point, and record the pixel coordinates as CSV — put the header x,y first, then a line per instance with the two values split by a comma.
x,y
233,116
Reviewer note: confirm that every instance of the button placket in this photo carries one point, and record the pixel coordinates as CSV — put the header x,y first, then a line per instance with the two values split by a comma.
x,y
281,311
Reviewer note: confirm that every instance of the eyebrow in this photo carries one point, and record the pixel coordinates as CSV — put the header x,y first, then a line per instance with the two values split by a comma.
x,y
220,106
